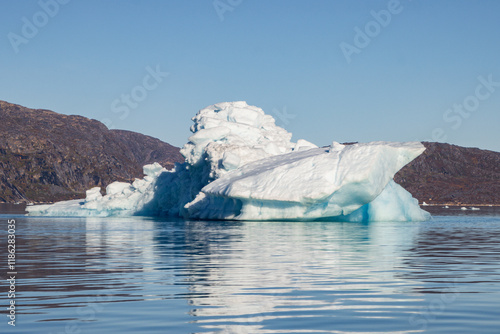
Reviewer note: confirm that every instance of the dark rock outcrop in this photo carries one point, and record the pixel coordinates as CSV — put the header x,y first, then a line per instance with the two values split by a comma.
x,y
452,174
47,157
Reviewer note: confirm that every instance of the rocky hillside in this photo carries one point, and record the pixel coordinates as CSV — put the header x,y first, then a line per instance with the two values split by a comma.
x,y
46,156
452,174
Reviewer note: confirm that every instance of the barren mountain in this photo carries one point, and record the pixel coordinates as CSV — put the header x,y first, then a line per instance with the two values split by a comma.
x,y
452,174
46,156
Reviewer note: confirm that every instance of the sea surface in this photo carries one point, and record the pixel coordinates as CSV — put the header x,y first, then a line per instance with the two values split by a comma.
x,y
145,275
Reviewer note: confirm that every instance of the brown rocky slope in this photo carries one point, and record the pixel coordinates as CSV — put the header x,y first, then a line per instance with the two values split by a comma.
x,y
47,157
450,174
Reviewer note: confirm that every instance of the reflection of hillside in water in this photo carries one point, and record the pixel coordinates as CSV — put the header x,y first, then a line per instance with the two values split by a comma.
x,y
449,255
236,273
82,257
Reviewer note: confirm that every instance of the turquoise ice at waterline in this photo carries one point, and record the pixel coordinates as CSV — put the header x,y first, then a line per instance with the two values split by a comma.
x,y
240,166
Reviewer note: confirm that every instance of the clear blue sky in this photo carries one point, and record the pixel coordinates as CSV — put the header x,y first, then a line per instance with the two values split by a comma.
x,y
421,72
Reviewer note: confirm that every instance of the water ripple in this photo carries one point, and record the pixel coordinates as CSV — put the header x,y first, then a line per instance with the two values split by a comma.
x,y
146,275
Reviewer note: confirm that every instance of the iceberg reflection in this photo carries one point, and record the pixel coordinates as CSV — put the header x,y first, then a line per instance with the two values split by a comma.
x,y
307,271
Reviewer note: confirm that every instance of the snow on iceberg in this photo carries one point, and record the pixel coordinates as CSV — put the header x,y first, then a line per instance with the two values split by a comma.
x,y
240,165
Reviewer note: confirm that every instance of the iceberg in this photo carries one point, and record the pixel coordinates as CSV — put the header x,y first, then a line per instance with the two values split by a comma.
x,y
239,165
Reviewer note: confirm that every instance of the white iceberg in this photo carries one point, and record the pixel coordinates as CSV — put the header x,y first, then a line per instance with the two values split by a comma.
x,y
241,166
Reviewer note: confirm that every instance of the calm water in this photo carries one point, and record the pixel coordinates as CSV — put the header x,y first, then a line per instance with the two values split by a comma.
x,y
139,275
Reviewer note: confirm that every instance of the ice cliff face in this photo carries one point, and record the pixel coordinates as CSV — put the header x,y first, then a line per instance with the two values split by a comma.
x,y
240,165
